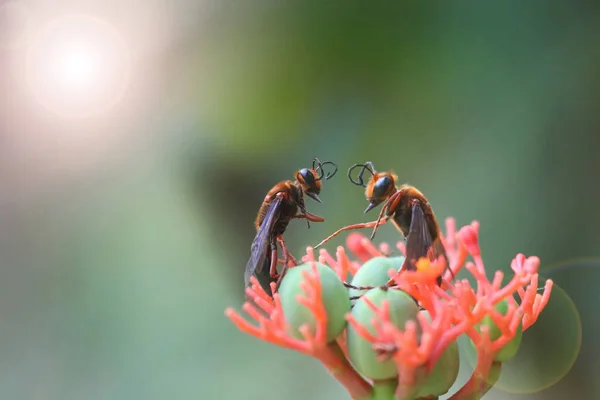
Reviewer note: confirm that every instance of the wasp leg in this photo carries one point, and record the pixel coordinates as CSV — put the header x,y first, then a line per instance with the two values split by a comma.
x,y
304,213
286,254
364,225
273,269
310,217
287,258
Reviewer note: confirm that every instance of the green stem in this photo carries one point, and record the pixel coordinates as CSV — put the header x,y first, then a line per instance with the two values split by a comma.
x,y
339,367
384,390
480,383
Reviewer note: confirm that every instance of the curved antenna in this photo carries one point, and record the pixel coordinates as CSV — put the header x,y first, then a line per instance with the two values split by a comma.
x,y
368,166
320,170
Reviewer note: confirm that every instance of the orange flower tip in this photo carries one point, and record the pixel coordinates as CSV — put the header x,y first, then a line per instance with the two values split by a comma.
x,y
469,236
310,255
532,265
354,242
230,312
247,307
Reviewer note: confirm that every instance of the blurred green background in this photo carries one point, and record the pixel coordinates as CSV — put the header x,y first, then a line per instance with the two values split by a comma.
x,y
123,236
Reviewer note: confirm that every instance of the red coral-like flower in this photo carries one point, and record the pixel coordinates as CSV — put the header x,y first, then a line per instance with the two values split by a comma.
x,y
455,308
273,328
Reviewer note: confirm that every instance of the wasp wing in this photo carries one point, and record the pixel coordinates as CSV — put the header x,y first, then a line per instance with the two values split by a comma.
x,y
261,244
419,242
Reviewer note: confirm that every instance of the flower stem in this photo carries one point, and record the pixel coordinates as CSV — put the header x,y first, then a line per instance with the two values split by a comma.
x,y
339,367
384,390
482,380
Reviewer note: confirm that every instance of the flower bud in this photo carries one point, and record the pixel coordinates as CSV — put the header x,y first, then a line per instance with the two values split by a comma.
x,y
334,297
374,273
361,352
444,373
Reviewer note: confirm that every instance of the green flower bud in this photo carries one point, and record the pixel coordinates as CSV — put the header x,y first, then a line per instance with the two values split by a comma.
x,y
374,273
444,373
510,349
334,297
360,351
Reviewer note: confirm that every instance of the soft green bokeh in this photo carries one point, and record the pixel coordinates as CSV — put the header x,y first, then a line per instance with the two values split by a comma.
x,y
123,238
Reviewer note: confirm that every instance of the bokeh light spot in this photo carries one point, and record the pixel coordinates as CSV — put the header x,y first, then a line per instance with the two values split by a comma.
x,y
78,66
548,350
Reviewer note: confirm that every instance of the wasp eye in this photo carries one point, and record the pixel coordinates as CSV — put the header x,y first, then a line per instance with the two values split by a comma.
x,y
381,186
309,178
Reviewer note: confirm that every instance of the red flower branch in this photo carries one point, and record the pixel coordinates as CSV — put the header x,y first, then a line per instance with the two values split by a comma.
x,y
273,328
458,309
454,309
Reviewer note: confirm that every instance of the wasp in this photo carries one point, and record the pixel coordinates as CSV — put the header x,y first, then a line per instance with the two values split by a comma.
x,y
284,202
407,208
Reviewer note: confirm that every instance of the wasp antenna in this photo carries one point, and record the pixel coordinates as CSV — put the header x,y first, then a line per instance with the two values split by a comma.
x,y
321,171
316,160
368,166
331,174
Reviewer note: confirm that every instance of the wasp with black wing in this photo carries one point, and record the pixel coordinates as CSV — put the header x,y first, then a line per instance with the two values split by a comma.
x,y
279,207
407,208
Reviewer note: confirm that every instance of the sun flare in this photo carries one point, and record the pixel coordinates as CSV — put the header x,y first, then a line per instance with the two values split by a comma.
x,y
78,66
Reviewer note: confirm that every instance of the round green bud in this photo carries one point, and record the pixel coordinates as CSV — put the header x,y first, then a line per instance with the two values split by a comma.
x,y
444,373
334,296
510,349
361,353
374,273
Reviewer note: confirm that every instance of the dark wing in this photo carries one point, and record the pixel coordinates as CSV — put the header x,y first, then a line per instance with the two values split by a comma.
x,y
261,244
418,240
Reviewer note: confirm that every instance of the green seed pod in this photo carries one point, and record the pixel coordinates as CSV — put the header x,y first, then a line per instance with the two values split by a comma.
x,y
444,373
334,297
374,273
360,351
511,348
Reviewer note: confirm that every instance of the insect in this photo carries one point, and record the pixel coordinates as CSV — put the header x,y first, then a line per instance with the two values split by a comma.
x,y
280,206
407,208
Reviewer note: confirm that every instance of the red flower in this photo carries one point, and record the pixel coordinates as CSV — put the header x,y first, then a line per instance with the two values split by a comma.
x,y
488,313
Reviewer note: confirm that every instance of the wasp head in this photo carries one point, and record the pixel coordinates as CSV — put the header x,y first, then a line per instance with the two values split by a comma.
x,y
378,188
309,183
310,178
